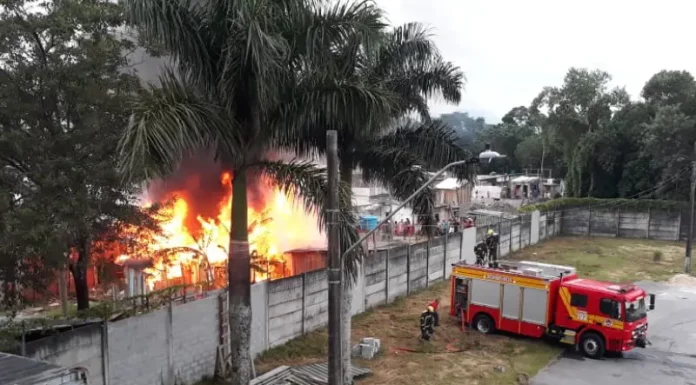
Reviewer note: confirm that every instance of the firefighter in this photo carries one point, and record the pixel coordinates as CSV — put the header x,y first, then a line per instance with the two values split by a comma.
x,y
492,239
427,323
480,251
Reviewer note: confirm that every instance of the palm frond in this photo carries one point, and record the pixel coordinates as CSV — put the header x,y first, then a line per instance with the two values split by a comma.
x,y
181,29
432,144
434,78
401,172
323,102
409,43
168,123
327,26
307,184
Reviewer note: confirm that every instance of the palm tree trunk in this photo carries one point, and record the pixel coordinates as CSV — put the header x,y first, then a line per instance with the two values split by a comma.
x,y
239,283
347,294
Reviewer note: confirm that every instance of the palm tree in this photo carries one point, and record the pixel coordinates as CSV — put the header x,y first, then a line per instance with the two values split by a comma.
x,y
383,143
239,79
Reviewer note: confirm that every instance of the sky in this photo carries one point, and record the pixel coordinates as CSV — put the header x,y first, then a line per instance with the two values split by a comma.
x,y
510,49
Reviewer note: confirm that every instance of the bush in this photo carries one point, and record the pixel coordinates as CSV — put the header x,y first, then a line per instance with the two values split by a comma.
x,y
657,256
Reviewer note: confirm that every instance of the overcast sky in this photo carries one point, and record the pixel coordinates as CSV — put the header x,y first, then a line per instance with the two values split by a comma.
x,y
510,49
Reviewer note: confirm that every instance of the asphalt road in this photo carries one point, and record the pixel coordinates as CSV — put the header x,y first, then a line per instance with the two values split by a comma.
x,y
671,359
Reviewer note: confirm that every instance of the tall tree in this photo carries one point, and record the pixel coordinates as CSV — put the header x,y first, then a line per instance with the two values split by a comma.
x,y
239,85
400,71
578,111
64,96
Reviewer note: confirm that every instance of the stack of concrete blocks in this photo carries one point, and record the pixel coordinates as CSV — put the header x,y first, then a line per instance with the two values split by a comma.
x,y
367,348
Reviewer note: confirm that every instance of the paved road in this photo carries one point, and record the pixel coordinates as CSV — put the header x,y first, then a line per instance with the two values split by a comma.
x,y
671,359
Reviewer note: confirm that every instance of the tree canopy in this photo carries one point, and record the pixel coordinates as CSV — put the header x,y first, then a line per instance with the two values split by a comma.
x,y
64,96
603,143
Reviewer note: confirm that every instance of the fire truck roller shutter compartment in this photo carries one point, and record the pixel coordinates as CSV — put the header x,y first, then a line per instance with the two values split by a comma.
x,y
485,293
535,306
511,302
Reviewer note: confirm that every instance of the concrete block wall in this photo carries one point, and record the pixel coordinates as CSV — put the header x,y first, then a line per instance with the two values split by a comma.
x,y
179,343
81,347
619,222
139,349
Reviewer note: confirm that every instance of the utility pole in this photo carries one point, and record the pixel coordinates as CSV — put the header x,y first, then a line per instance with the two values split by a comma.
x,y
334,256
689,240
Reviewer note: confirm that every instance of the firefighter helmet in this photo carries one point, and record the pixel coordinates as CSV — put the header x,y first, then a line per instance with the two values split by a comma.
x,y
490,231
431,309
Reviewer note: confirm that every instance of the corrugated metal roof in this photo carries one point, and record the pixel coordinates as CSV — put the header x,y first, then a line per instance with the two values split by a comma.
x,y
17,370
312,374
282,375
320,372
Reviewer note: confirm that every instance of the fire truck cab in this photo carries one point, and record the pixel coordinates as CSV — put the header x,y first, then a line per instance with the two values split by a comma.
x,y
543,300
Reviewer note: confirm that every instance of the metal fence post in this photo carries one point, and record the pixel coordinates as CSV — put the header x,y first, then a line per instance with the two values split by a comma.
x,y
444,258
408,269
500,233
386,274
510,237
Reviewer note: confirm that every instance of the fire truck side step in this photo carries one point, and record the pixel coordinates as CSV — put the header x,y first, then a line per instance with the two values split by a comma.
x,y
569,337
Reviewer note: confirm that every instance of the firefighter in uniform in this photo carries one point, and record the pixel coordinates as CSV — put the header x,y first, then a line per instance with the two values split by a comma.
x,y
480,251
492,239
428,323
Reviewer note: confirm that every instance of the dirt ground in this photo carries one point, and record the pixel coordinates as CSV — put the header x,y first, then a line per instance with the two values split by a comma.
x,y
479,360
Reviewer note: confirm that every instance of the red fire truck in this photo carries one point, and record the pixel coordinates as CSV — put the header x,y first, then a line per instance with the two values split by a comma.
x,y
542,300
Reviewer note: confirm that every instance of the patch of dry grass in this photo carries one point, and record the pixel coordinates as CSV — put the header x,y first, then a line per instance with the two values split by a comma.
x,y
611,259
396,325
481,357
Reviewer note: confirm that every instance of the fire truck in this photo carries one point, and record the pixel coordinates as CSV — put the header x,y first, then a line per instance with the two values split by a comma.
x,y
550,301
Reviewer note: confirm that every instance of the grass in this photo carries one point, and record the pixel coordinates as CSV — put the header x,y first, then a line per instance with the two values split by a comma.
x,y
611,259
483,360
396,325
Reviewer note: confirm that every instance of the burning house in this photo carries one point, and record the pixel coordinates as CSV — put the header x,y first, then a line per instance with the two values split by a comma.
x,y
192,248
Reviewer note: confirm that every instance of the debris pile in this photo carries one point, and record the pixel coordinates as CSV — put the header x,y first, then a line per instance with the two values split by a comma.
x,y
367,348
683,280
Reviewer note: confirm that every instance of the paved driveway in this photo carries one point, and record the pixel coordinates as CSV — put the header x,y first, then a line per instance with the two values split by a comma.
x,y
671,359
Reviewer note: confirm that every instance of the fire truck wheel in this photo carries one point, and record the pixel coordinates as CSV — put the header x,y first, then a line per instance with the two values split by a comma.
x,y
484,324
592,345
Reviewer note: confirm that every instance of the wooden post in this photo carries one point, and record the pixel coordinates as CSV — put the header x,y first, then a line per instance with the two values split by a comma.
x,y
647,230
589,221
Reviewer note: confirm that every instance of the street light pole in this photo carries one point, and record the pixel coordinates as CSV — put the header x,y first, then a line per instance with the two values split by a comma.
x,y
334,256
692,196
410,198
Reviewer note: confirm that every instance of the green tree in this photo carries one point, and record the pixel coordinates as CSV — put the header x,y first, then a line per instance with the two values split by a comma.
x,y
243,82
63,103
577,113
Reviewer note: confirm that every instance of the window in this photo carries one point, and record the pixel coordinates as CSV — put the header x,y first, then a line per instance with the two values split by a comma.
x,y
578,300
610,308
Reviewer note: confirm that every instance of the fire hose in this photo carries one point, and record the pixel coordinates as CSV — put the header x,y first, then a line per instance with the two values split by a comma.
x,y
448,349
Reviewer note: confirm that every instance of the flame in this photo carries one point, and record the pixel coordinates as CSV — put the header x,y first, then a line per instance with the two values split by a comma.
x,y
275,227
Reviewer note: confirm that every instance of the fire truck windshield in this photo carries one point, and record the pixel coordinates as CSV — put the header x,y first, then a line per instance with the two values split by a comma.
x,y
636,310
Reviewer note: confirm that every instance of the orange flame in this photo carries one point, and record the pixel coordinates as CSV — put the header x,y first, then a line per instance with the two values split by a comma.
x,y
278,226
